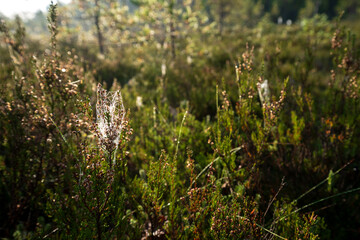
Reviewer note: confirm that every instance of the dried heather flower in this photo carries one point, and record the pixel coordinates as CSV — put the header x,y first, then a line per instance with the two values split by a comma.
x,y
110,121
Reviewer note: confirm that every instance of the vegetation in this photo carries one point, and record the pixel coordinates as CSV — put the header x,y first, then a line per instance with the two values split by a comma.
x,y
214,119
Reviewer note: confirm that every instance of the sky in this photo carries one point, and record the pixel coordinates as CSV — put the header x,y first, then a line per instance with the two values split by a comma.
x,y
25,8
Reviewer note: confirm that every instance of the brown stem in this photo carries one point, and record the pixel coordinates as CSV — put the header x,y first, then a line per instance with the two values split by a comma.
x,y
98,215
172,36
97,25
98,226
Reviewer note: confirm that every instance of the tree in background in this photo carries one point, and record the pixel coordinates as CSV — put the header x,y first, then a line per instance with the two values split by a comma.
x,y
93,11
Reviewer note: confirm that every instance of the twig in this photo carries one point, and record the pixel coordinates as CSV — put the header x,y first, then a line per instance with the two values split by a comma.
x,y
263,228
272,200
52,232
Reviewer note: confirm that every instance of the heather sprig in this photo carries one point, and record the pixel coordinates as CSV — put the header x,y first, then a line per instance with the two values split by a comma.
x,y
110,119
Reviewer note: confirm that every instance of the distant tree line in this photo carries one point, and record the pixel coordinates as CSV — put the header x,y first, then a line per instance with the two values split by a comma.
x,y
291,9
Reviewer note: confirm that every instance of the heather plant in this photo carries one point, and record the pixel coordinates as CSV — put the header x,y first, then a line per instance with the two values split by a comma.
x,y
296,226
110,114
235,219
96,193
251,131
42,95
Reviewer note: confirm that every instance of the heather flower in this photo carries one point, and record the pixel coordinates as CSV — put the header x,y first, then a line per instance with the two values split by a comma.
x,y
110,120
